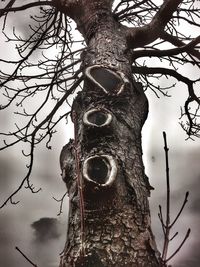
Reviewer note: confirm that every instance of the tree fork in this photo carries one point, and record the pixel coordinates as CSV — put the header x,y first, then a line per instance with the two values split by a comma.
x,y
110,112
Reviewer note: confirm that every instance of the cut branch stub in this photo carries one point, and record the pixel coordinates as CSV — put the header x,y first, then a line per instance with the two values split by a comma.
x,y
97,117
100,170
111,82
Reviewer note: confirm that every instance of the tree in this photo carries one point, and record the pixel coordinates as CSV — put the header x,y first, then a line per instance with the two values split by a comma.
x,y
109,221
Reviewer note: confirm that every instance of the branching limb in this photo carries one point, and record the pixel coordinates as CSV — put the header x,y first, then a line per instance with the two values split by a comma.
x,y
181,209
35,140
139,37
61,200
26,178
180,246
9,8
188,48
55,77
192,127
128,7
167,226
52,18
163,71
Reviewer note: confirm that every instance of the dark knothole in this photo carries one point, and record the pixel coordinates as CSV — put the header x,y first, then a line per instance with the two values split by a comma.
x,y
96,117
106,78
100,170
110,81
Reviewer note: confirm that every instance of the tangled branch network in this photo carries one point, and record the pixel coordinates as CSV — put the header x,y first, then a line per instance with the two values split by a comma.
x,y
38,84
43,69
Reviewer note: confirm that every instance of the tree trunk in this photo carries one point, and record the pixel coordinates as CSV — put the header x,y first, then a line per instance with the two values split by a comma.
x,y
109,218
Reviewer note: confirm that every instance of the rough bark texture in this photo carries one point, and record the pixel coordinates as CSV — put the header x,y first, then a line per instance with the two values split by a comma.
x,y
107,155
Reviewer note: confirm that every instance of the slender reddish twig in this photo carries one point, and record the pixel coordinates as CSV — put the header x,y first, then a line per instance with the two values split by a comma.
x,y
79,181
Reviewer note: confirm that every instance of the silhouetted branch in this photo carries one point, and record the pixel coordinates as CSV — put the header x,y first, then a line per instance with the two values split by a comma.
x,y
160,216
180,246
35,141
150,32
181,209
26,257
124,12
8,9
173,236
49,80
61,200
192,128
169,52
167,226
163,71
9,5
177,42
26,178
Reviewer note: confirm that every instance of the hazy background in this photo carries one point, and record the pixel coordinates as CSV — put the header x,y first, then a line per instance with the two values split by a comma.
x,y
33,225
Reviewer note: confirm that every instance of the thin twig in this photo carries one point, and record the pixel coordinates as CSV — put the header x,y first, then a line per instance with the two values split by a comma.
x,y
79,182
182,243
167,226
61,200
160,216
181,209
26,257
33,134
173,236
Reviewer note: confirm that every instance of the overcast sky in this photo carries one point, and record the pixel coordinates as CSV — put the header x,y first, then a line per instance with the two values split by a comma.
x,y
24,225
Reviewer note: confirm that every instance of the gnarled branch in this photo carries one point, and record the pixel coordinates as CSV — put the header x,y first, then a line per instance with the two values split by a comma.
x,y
138,37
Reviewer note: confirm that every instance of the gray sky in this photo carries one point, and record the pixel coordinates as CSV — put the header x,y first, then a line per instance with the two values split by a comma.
x,y
16,222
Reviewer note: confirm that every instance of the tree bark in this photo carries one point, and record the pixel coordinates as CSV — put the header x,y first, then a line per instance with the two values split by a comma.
x,y
109,217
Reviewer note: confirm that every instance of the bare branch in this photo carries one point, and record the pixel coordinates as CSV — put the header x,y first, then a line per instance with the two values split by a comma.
x,y
9,7
188,48
181,209
177,42
193,126
160,216
34,141
26,178
164,71
139,37
167,225
128,8
26,257
180,246
61,200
